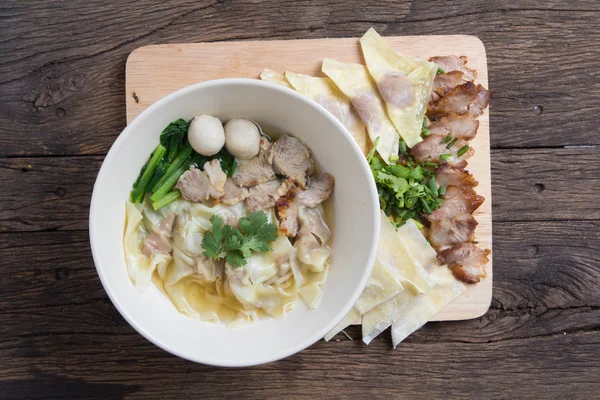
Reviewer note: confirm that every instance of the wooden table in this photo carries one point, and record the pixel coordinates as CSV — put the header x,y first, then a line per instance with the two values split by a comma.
x,y
62,104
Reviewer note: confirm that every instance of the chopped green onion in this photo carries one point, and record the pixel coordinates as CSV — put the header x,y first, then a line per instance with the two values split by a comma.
x,y
417,223
424,122
372,152
445,156
394,158
166,199
432,185
402,147
425,205
451,143
442,190
426,132
440,71
463,150
447,139
428,164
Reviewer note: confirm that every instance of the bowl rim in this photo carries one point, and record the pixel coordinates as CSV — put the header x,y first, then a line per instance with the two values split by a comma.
x,y
111,157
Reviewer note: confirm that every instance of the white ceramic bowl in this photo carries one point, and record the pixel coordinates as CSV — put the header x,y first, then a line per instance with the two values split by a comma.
x,y
356,210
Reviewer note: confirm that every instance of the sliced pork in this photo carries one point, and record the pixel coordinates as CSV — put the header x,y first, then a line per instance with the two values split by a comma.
x,y
296,199
287,213
455,63
457,201
458,126
291,158
443,83
232,193
263,196
433,146
449,175
456,101
466,261
447,232
481,101
257,170
195,186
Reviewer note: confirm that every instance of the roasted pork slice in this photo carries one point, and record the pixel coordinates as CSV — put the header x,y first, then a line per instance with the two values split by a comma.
x,y
291,158
232,193
195,186
481,101
447,232
457,201
319,189
456,101
287,214
449,175
216,175
458,126
466,261
455,63
443,83
434,146
257,170
263,196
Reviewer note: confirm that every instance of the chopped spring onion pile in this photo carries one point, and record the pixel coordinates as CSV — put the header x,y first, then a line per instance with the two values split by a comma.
x,y
171,158
405,191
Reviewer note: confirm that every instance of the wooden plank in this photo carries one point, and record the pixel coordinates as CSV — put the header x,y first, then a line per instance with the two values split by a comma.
x,y
46,193
123,366
546,280
61,335
29,198
63,94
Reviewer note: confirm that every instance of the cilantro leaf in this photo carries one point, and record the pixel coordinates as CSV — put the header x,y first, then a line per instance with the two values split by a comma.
x,y
212,241
236,244
235,259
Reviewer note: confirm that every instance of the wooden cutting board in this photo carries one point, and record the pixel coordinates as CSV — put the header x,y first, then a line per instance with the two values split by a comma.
x,y
153,72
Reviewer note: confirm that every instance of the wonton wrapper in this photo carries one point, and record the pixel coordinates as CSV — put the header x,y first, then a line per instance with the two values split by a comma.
x,y
408,311
382,285
356,83
271,76
393,251
404,82
324,92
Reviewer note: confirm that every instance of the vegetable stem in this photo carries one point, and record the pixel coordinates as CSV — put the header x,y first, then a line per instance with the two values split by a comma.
x,y
166,199
140,190
176,163
168,184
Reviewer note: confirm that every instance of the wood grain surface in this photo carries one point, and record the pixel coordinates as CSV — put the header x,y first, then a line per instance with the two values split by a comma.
x,y
153,72
62,104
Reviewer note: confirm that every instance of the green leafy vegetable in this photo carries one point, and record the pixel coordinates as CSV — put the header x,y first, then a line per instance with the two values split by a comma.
x,y
228,162
253,235
405,191
139,191
173,137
